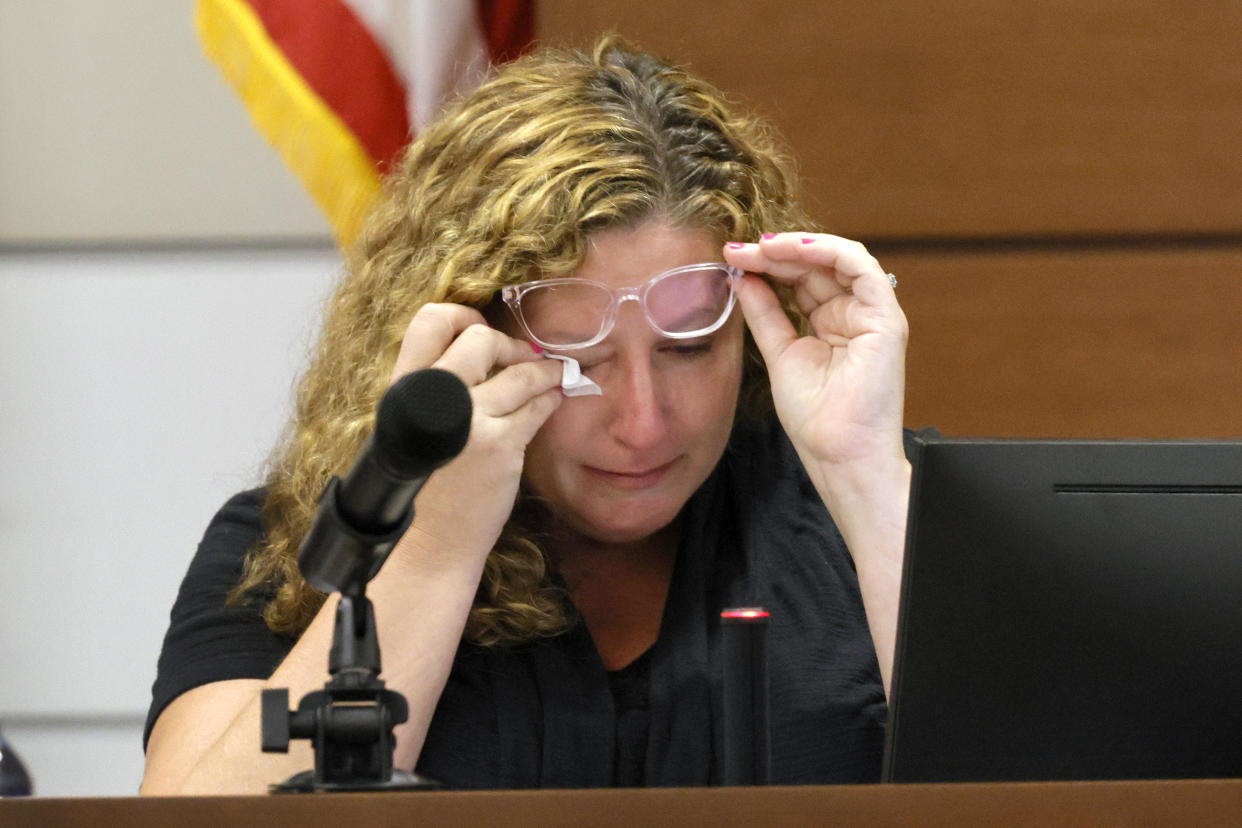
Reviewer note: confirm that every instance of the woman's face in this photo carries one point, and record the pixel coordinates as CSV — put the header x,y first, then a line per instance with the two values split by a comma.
x,y
617,468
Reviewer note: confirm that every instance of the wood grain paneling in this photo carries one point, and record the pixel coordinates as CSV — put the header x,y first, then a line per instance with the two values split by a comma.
x,y
1079,343
1103,137
976,117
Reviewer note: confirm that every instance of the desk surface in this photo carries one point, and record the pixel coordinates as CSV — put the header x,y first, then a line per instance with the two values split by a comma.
x,y
1197,802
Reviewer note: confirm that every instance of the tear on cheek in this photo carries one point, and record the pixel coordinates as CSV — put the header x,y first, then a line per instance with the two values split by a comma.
x,y
573,383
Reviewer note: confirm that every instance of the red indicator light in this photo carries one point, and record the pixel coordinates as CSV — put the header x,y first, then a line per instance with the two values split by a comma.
x,y
745,613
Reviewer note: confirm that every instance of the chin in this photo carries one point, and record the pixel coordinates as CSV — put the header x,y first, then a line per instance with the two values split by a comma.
x,y
608,529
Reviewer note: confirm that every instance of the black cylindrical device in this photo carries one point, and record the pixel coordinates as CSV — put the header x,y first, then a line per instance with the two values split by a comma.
x,y
744,662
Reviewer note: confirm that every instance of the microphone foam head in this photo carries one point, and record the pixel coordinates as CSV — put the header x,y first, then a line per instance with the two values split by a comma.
x,y
423,421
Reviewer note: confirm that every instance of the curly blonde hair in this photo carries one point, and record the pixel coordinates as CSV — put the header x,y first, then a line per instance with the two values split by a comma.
x,y
507,187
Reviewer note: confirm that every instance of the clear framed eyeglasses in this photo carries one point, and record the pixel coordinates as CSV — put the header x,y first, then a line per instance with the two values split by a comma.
x,y
569,313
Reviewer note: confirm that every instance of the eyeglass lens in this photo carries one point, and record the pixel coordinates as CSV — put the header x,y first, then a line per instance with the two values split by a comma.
x,y
566,314
575,312
689,301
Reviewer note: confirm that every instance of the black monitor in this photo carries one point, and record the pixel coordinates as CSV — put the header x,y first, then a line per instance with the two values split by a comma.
x,y
1070,610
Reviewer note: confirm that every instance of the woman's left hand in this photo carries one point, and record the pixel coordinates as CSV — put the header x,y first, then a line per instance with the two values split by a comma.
x,y
839,392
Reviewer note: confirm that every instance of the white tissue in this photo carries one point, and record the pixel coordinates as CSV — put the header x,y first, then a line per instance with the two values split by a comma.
x,y
573,383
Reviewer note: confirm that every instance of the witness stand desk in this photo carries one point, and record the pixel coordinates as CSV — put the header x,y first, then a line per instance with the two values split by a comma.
x,y
1181,803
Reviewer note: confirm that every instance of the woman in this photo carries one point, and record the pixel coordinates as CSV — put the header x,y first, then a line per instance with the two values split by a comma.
x,y
549,614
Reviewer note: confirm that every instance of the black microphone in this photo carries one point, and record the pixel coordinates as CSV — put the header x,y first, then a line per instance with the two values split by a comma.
x,y
423,422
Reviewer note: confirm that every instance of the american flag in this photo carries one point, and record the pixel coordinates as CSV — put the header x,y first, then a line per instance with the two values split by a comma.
x,y
339,87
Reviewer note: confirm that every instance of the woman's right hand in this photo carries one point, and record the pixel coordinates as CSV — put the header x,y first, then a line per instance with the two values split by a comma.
x,y
465,504
206,740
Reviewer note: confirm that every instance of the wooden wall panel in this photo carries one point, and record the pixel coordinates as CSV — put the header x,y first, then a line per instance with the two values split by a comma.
x,y
975,117
1057,183
1081,343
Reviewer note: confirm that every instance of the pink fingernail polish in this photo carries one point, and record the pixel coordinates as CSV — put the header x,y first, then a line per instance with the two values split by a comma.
x,y
808,241
534,346
769,235
736,245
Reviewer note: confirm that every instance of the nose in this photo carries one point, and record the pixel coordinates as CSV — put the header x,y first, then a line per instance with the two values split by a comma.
x,y
640,416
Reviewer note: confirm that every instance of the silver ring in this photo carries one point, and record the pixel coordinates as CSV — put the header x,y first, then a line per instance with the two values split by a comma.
x,y
892,280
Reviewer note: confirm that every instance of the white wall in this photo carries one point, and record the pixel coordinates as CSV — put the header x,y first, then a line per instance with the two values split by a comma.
x,y
146,358
113,125
139,390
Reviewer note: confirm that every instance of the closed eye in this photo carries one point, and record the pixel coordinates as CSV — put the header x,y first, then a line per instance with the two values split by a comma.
x,y
589,357
690,348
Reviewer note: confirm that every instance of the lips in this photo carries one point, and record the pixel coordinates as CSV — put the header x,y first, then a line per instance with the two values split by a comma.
x,y
636,479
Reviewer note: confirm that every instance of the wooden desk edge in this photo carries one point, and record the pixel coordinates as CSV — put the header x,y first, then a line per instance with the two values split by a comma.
x,y
1180,802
